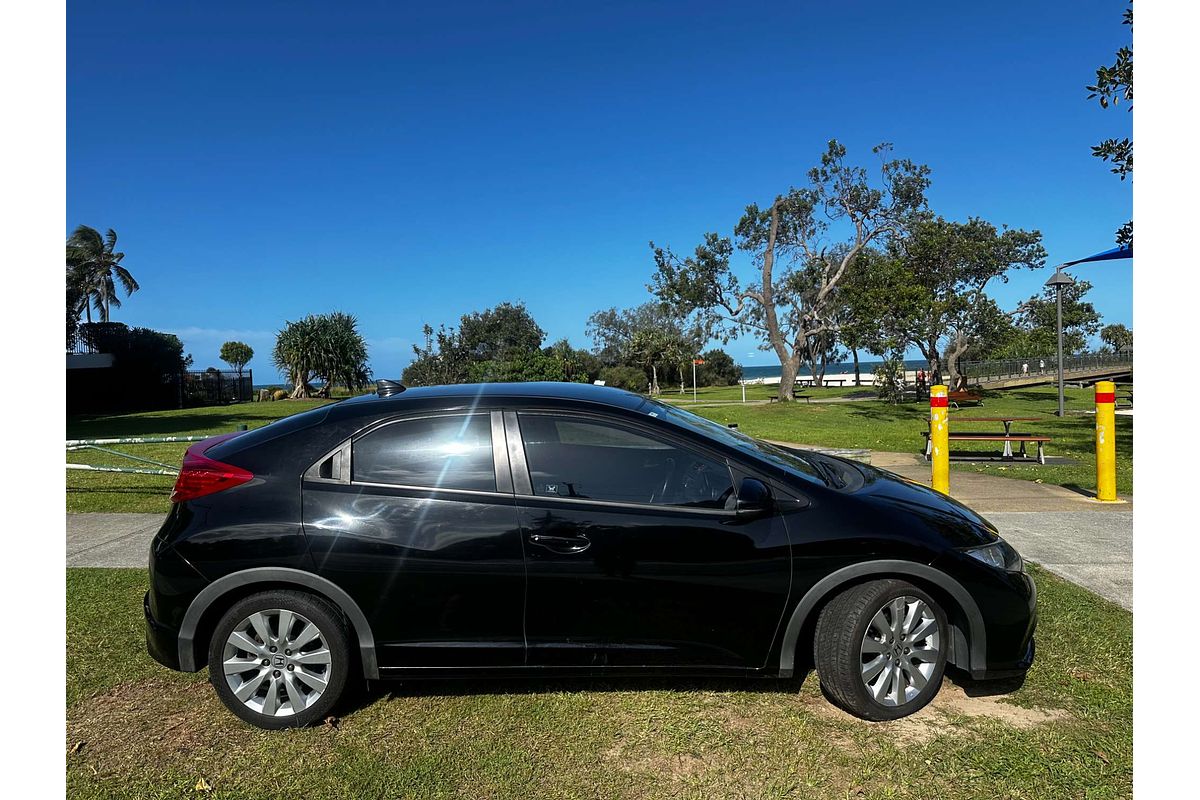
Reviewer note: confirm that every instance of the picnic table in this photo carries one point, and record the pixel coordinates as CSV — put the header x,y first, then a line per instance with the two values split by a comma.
x,y
1008,437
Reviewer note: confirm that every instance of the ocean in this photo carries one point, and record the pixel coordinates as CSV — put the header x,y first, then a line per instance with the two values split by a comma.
x,y
841,368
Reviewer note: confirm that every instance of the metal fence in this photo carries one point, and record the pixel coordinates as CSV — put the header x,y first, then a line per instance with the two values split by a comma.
x,y
998,369
214,387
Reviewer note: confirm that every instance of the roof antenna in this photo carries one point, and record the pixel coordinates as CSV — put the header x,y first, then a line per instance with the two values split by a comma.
x,y
386,388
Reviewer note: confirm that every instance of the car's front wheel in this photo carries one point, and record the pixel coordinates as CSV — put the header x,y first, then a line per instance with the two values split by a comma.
x,y
880,649
279,659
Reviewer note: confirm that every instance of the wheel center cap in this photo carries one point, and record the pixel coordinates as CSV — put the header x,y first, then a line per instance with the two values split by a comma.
x,y
279,661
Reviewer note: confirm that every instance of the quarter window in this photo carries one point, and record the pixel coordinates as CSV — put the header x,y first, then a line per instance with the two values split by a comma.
x,y
449,452
596,460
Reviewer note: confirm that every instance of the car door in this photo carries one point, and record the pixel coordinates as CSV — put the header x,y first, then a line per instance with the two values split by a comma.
x,y
415,518
635,556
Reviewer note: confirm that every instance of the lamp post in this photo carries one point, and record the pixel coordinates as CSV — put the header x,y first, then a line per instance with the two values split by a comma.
x,y
1058,280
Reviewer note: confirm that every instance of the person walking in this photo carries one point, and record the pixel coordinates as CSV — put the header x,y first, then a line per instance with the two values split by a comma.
x,y
1041,365
1025,368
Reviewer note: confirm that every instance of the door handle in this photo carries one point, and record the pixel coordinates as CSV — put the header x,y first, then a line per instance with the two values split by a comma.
x,y
561,544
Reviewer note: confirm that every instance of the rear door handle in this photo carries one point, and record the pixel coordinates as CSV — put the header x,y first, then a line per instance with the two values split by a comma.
x,y
561,544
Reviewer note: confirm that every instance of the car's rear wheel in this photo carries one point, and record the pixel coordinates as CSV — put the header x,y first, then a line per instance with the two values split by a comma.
x,y
279,659
880,649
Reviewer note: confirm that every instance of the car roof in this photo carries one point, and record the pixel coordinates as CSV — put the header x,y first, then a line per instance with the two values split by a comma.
x,y
535,390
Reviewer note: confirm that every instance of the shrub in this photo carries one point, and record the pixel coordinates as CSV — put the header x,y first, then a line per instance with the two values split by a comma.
x,y
889,379
631,378
718,369
279,394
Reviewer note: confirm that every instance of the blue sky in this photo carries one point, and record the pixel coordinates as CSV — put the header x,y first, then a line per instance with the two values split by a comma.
x,y
410,163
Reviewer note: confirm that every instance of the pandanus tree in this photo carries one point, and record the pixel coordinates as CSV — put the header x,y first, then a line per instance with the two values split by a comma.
x,y
327,347
94,270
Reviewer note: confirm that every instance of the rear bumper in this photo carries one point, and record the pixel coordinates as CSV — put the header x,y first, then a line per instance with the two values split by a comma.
x,y
162,642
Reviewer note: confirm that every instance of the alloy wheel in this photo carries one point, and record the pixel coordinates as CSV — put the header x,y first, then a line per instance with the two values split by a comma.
x,y
277,662
900,651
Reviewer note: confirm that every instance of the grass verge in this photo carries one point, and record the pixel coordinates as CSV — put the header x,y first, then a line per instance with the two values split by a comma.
x,y
137,730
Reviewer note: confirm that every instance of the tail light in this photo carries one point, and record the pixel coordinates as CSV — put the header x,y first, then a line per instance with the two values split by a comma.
x,y
202,476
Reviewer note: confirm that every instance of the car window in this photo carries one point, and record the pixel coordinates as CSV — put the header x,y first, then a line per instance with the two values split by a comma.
x,y
450,452
597,460
788,459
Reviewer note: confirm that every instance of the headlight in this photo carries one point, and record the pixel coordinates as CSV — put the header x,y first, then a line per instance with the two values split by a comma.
x,y
998,554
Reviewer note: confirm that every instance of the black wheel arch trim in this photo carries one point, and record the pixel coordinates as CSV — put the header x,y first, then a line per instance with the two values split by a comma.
x,y
973,657
276,575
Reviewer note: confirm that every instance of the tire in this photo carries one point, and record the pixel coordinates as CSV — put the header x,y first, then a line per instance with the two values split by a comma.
x,y
298,685
846,656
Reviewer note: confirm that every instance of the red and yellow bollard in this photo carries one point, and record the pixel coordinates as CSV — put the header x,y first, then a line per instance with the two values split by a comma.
x,y
939,441
1106,442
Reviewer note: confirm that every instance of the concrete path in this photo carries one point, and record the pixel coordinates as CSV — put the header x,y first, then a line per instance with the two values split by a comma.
x,y
1091,548
111,540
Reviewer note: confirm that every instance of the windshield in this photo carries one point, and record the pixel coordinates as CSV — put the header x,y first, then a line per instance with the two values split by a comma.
x,y
789,460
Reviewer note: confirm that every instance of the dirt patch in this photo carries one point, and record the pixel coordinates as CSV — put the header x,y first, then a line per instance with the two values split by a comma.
x,y
951,701
674,767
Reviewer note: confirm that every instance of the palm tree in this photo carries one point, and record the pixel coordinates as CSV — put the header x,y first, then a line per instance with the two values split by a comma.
x,y
95,268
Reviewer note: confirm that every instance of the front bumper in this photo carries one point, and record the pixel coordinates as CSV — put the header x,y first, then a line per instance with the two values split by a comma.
x,y
1016,670
1011,645
162,642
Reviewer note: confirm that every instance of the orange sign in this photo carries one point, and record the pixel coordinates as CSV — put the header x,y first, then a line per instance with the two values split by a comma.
x,y
697,360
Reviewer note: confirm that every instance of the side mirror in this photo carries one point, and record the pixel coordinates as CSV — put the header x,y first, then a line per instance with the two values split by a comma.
x,y
753,497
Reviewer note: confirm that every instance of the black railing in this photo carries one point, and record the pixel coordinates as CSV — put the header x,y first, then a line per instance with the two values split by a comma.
x,y
214,387
1000,369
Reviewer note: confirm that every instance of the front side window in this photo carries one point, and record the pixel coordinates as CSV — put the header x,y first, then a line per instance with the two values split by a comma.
x,y
592,459
451,452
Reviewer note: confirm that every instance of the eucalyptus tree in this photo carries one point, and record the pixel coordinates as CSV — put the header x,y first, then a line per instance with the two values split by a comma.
x,y
948,267
94,268
788,302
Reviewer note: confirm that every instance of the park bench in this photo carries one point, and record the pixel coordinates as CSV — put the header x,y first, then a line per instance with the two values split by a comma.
x,y
806,397
956,398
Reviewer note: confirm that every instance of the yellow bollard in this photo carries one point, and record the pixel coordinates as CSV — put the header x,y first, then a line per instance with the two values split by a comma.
x,y
939,442
1106,442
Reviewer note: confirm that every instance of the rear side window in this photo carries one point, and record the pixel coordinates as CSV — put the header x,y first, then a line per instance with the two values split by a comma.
x,y
450,452
593,459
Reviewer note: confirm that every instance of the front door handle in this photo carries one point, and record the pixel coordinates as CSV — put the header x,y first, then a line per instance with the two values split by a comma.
x,y
561,544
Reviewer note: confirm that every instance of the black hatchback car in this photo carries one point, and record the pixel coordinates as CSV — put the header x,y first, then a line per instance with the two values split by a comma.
x,y
564,529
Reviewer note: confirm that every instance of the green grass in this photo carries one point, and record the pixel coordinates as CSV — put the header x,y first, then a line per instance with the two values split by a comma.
x,y
114,491
875,425
147,732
